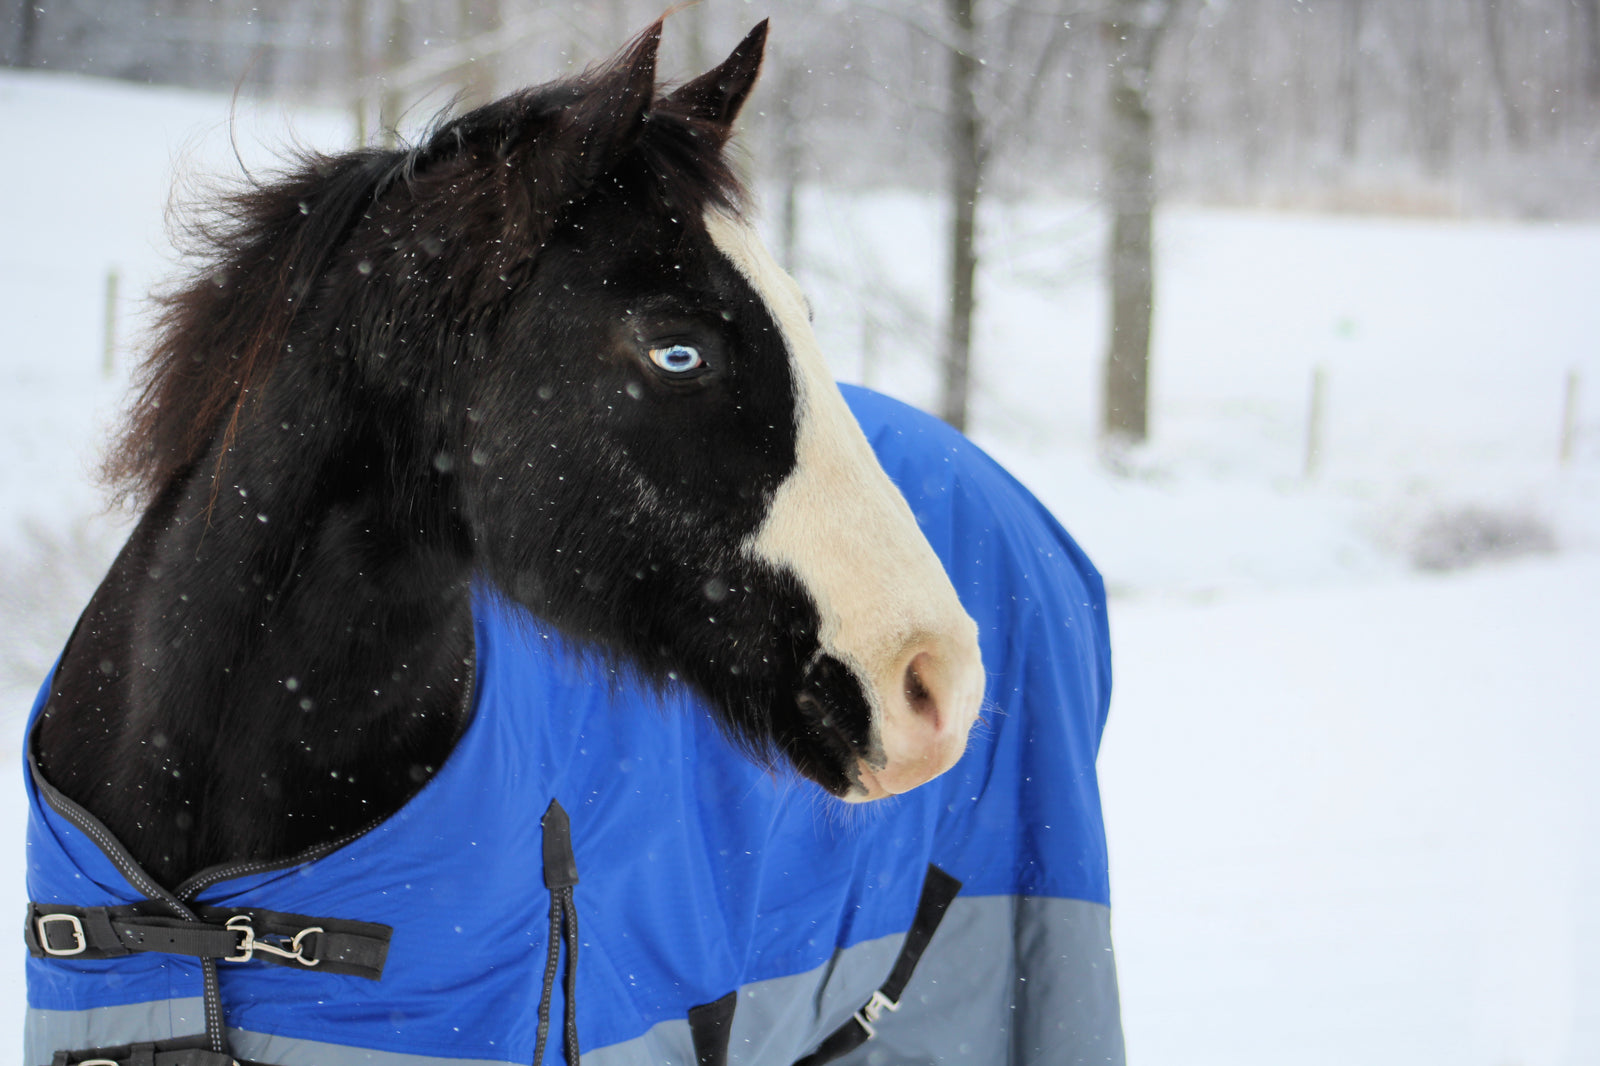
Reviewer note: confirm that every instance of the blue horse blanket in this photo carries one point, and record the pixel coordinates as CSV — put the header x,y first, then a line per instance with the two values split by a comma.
x,y
701,874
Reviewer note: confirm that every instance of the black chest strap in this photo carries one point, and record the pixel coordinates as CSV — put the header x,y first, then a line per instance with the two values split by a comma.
x,y
250,934
711,1027
938,890
711,1024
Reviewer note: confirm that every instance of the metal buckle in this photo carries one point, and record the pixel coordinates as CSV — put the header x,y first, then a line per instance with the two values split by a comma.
x,y
240,923
873,1011
81,942
249,945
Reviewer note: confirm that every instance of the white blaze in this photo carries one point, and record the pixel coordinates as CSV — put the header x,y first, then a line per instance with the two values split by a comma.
x,y
840,525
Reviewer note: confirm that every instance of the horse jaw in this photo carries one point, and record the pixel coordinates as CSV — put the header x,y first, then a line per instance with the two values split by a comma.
x,y
888,611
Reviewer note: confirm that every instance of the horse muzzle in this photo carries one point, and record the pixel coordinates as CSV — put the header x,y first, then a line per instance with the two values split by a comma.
x,y
870,737
925,710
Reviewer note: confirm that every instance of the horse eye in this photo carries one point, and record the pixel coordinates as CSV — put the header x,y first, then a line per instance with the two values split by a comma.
x,y
677,358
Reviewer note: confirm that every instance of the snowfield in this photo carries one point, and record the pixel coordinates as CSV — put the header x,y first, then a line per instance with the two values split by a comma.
x,y
1352,803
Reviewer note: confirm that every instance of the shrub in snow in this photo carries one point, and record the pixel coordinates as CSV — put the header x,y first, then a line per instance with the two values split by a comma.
x,y
1465,536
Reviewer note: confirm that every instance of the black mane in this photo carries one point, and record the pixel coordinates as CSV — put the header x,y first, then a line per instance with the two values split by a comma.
x,y
476,176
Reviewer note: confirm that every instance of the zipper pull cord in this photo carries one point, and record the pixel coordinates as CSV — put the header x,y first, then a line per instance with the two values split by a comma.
x,y
560,875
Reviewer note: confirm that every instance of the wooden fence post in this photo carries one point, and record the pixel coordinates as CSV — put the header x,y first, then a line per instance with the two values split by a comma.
x,y
1314,420
1569,416
108,351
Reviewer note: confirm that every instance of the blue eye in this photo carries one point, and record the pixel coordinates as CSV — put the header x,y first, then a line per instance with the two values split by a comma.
x,y
677,358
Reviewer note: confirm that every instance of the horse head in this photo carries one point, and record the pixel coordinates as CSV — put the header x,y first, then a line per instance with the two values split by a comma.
x,y
590,380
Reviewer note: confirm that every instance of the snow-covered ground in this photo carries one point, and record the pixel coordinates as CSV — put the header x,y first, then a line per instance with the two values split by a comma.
x,y
1351,804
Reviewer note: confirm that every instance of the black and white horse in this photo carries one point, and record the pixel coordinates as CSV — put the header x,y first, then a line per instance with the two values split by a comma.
x,y
543,351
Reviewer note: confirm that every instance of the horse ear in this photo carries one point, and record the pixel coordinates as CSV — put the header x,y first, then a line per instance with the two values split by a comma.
x,y
717,95
569,147
553,148
608,119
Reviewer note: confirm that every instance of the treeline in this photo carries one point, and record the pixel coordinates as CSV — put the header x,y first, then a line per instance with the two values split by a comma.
x,y
1411,105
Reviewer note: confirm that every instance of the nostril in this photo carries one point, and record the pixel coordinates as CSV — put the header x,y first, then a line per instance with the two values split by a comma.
x,y
918,698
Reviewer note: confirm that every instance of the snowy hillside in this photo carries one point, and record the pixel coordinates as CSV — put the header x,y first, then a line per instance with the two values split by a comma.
x,y
1351,805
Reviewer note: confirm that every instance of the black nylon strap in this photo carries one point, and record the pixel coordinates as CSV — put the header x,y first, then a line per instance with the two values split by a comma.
x,y
331,945
106,932
839,1043
711,1027
938,889
184,1051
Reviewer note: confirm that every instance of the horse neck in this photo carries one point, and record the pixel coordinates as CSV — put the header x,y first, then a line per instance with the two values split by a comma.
x,y
290,655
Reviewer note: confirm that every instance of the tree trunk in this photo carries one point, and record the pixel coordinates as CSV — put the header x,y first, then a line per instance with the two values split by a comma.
x,y
1433,110
618,20
1590,12
396,50
1350,81
28,34
478,81
788,128
966,174
694,23
1494,35
1133,29
355,42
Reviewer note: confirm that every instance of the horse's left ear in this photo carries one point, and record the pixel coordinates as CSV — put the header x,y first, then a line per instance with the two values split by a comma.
x,y
717,95
608,121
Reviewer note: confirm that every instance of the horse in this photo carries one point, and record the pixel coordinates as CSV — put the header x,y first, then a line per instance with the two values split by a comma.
x,y
534,375
540,348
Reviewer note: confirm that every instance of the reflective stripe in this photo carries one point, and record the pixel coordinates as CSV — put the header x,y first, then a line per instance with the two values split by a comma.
x,y
47,1031
286,1051
784,1019
1005,982
1024,982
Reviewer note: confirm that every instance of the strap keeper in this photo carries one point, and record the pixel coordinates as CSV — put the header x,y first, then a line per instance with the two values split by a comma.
x,y
873,1010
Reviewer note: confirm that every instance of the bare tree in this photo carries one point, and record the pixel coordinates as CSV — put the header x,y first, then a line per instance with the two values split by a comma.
x,y
1350,79
1589,15
356,62
966,153
1432,108
475,17
1494,39
788,127
1134,29
997,70
396,50
28,33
